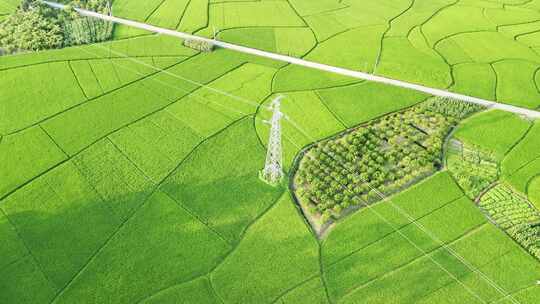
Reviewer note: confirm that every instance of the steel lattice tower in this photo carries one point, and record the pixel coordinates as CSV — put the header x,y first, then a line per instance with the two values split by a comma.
x,y
272,172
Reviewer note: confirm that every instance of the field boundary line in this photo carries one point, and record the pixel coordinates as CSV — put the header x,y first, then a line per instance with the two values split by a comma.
x,y
88,100
153,190
331,264
77,79
414,260
288,290
369,207
198,218
46,61
309,64
29,252
471,274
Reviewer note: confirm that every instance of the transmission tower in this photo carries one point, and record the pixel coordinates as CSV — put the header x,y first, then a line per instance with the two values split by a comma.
x,y
272,172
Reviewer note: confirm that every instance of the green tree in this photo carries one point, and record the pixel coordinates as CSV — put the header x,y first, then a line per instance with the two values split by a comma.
x,y
30,31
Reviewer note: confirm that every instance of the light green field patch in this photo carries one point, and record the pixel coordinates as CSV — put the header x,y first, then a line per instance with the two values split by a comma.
x,y
195,17
494,131
292,41
198,116
156,144
401,60
357,56
308,119
121,31
516,84
418,201
106,74
308,7
95,119
109,113
308,293
487,47
26,155
239,92
262,38
168,14
135,10
475,79
51,89
420,12
520,179
54,205
252,275
516,30
461,18
86,78
358,49
510,15
183,248
8,6
419,278
359,103
452,52
531,40
197,291
143,46
246,14
299,78
485,249
452,221
527,150
359,14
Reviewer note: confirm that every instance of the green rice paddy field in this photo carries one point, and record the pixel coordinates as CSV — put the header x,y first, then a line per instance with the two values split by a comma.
x,y
129,169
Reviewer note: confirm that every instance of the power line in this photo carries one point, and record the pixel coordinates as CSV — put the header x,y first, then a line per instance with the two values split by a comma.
x,y
410,218
396,229
421,227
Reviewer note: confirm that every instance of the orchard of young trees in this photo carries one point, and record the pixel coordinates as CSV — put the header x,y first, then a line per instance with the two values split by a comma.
x,y
380,158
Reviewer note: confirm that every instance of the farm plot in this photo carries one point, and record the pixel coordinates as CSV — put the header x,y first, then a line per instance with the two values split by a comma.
x,y
233,195
251,275
473,169
225,15
494,131
24,156
526,151
515,215
158,200
168,14
52,89
343,173
378,258
110,112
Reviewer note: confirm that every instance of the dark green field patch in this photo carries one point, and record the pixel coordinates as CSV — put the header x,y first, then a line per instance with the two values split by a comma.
x,y
24,156
60,204
160,246
219,181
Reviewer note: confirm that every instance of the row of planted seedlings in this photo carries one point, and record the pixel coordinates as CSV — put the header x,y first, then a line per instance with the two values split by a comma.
x,y
514,214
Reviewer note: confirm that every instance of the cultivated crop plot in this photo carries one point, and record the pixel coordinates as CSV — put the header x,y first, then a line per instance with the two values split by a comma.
x,y
269,151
